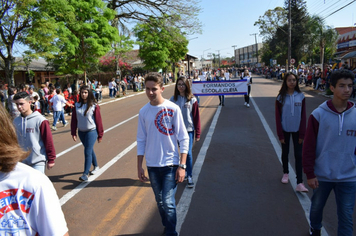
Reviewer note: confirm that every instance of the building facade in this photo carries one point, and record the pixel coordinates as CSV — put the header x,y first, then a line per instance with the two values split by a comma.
x,y
346,46
247,56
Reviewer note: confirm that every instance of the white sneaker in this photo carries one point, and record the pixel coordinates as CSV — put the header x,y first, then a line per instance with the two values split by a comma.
x,y
53,128
245,104
248,105
95,170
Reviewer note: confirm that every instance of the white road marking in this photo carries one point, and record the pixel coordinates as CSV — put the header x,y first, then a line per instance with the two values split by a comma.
x,y
81,186
186,198
302,197
107,130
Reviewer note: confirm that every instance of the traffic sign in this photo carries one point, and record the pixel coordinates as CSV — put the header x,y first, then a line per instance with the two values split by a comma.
x,y
292,61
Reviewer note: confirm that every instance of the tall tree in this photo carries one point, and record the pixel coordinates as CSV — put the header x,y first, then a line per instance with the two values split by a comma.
x,y
322,36
271,21
23,22
85,35
183,14
160,43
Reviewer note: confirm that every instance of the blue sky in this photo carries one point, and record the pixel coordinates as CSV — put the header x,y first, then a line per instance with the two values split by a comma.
x,y
230,22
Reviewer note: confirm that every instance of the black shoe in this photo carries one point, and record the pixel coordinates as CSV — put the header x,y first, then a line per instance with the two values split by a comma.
x,y
315,232
223,104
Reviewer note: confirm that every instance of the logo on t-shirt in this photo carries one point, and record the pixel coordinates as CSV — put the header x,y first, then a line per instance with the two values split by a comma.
x,y
163,121
12,201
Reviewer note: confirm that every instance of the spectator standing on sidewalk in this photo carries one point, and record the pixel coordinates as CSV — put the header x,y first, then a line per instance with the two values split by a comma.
x,y
28,198
329,155
112,88
58,102
189,106
86,118
14,112
34,133
291,121
160,128
246,75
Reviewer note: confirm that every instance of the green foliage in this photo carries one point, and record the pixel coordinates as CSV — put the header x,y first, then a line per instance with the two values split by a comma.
x,y
23,22
271,21
310,36
84,34
160,44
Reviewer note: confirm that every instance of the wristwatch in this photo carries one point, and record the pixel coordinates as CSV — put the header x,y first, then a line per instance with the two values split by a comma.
x,y
183,166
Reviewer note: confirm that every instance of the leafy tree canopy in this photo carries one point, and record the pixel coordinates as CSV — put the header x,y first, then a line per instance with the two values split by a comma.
x,y
160,43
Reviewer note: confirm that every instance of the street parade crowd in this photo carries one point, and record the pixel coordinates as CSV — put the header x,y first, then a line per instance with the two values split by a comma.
x,y
330,128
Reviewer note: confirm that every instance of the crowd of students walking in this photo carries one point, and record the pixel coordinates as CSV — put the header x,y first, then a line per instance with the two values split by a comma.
x,y
165,124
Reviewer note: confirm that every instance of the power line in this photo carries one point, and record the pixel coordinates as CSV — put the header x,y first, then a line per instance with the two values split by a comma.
x,y
328,8
339,9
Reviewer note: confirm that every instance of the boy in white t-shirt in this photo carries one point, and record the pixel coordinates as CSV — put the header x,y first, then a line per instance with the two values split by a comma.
x,y
160,128
58,103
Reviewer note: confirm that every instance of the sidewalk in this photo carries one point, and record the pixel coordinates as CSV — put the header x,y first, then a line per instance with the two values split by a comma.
x,y
104,99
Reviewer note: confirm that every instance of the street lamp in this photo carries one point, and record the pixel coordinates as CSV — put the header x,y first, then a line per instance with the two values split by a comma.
x,y
234,46
256,46
205,51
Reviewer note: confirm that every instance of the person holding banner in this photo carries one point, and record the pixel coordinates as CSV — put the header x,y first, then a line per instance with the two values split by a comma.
x,y
196,78
246,76
189,106
291,121
221,97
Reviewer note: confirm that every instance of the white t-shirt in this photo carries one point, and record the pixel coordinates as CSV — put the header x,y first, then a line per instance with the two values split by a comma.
x,y
35,94
58,102
159,130
29,204
38,104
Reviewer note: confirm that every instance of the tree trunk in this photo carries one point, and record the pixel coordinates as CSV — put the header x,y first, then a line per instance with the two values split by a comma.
x,y
9,70
322,47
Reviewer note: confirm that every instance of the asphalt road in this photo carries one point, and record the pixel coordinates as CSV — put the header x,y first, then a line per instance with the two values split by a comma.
x,y
237,172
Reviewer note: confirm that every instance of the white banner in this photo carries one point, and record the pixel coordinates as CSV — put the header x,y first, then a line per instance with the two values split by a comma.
x,y
215,88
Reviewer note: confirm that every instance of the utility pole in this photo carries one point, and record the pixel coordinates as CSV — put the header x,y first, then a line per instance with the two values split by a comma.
x,y
219,56
255,34
289,35
234,46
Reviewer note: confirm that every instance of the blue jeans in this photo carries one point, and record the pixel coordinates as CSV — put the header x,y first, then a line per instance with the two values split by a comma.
x,y
190,155
40,167
164,187
58,115
345,193
88,139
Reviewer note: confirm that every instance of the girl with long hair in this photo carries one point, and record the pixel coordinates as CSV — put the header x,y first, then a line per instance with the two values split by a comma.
x,y
86,118
291,121
188,104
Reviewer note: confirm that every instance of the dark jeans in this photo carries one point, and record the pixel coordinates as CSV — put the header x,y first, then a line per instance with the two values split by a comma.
x,y
247,97
88,139
43,106
222,99
164,187
297,154
345,193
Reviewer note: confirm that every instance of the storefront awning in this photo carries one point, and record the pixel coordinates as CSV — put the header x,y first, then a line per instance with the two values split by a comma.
x,y
349,55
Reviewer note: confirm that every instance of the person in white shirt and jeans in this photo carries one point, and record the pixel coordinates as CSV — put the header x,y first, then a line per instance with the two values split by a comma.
x,y
58,103
160,128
